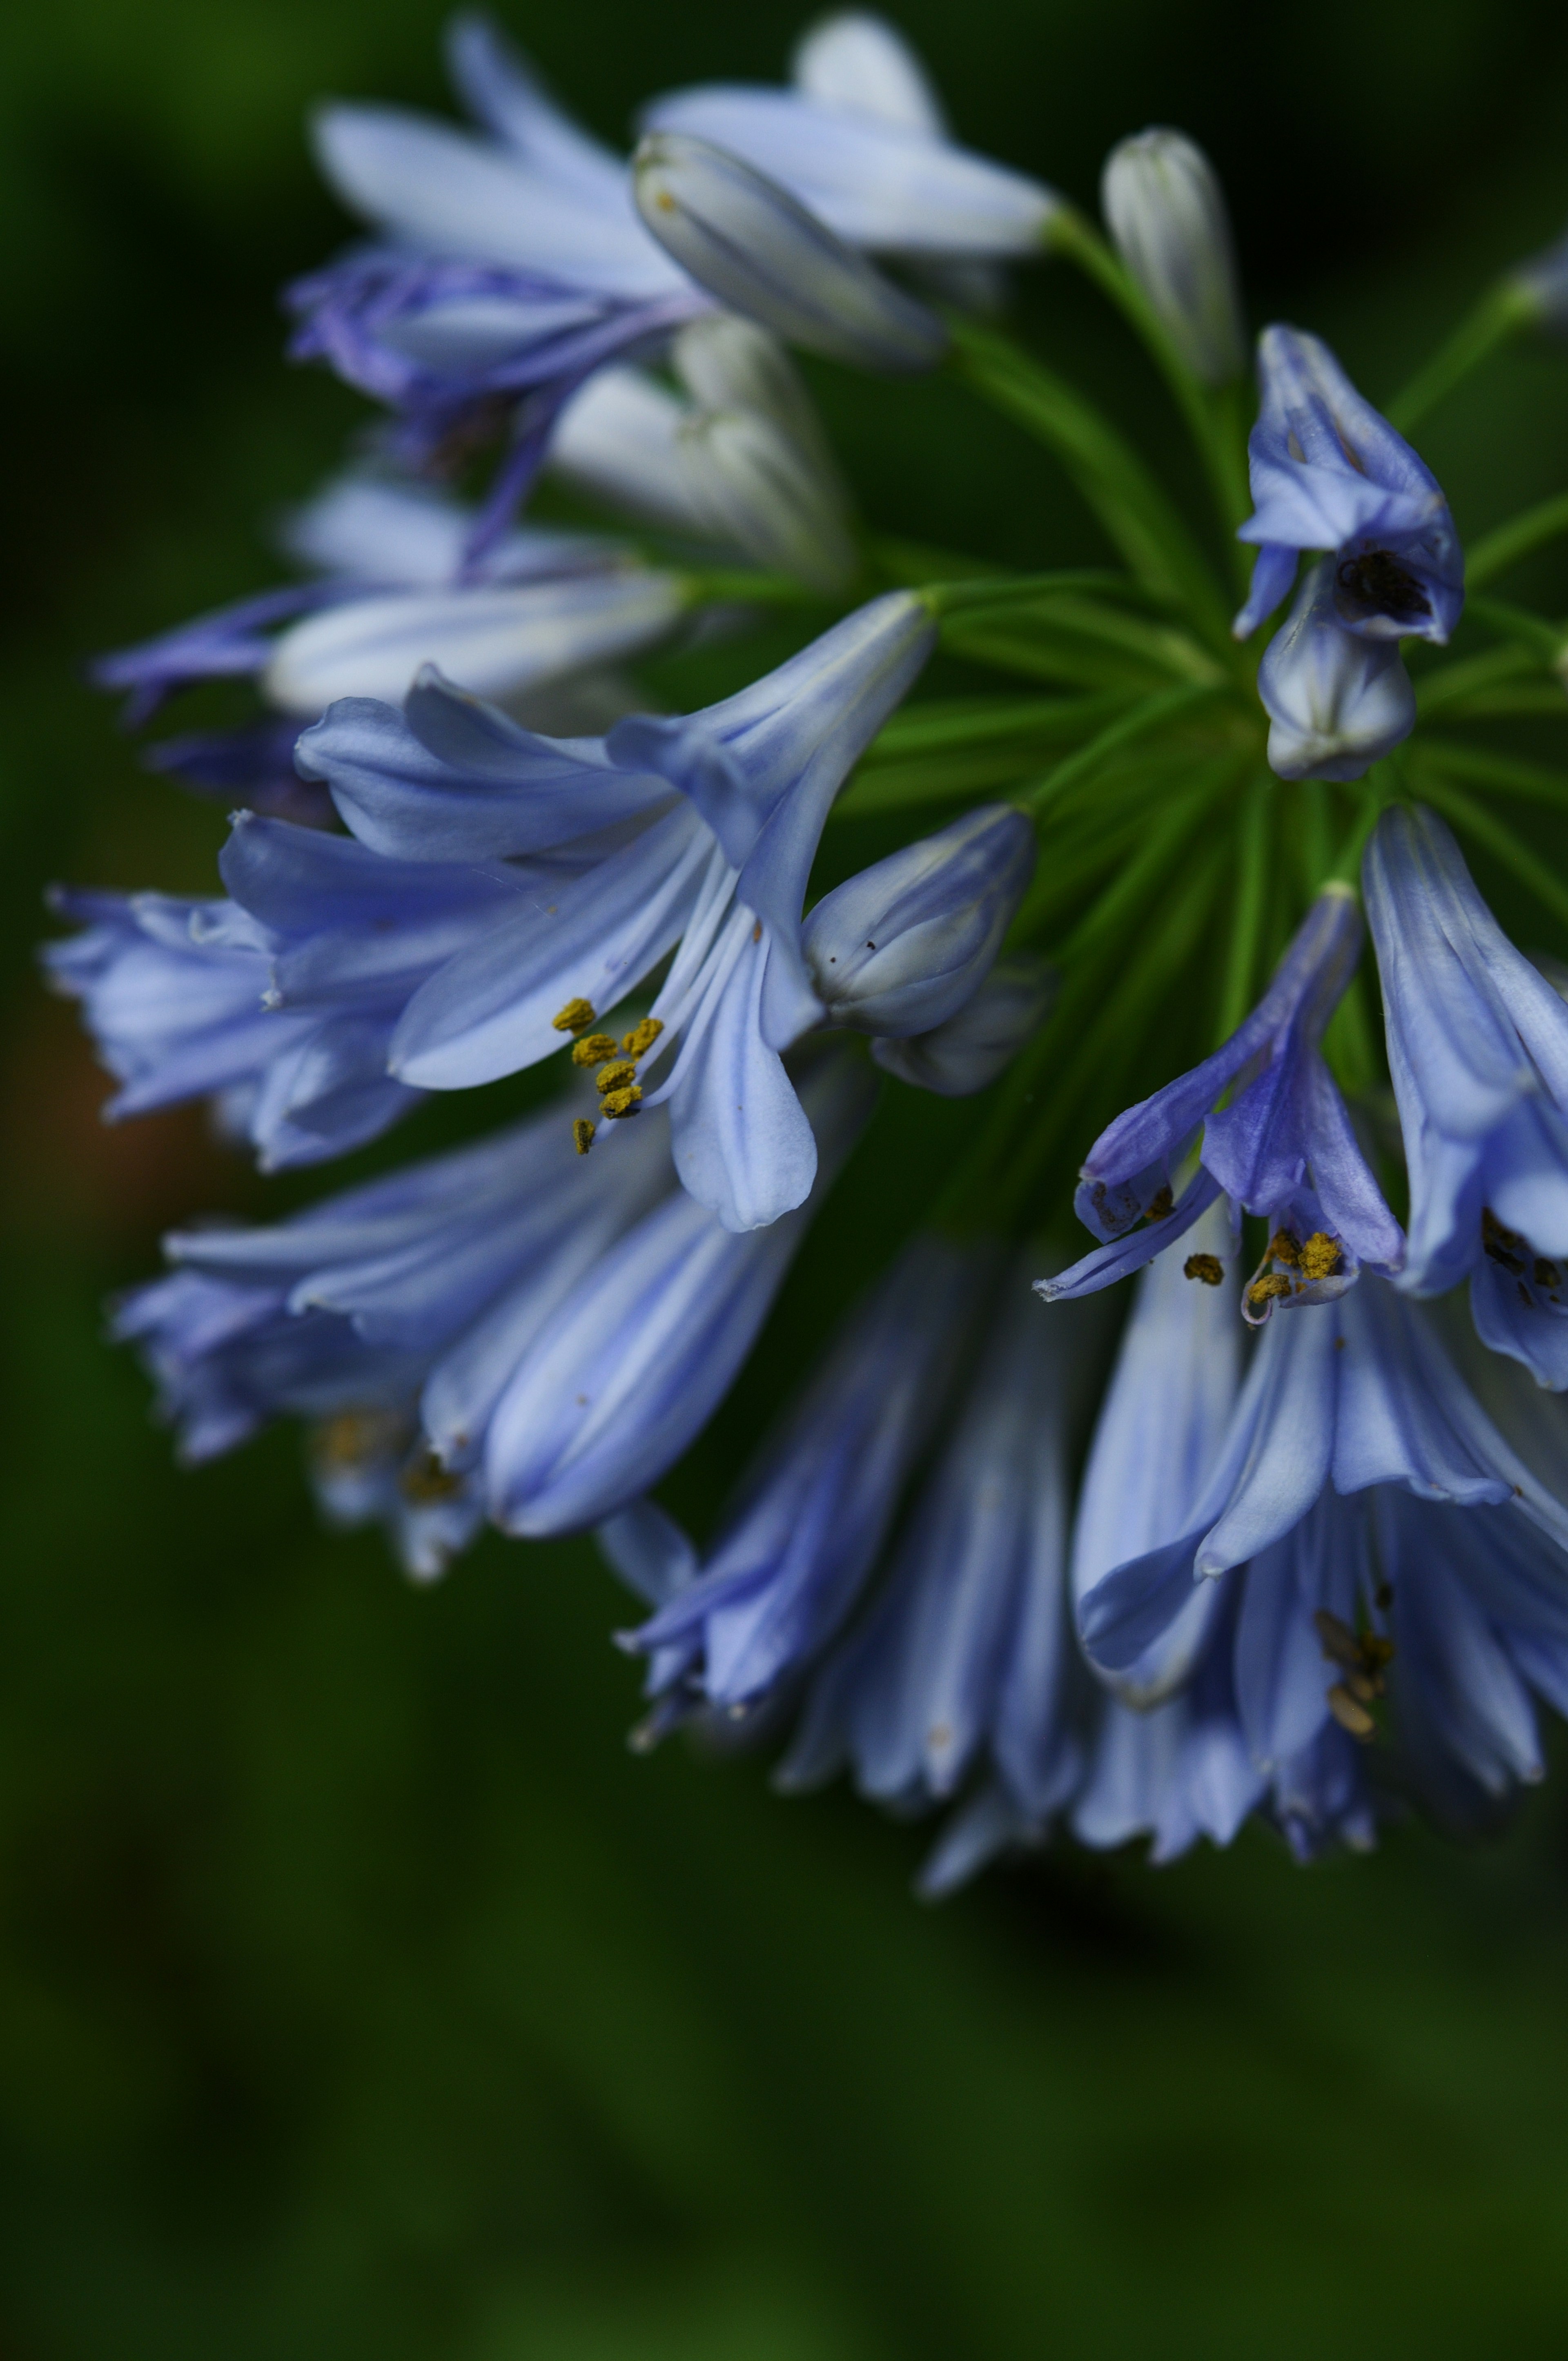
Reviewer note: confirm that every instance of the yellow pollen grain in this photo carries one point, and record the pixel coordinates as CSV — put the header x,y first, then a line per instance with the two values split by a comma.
x,y
1159,1204
1265,1289
593,1049
623,1101
1350,1714
1321,1256
1285,1248
576,1017
664,202
1205,1267
641,1037
583,1135
615,1077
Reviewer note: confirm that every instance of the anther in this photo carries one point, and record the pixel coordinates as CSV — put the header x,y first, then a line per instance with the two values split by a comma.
x,y
1350,1714
1321,1256
641,1037
593,1049
1205,1267
622,1102
1265,1289
615,1077
1285,1248
583,1135
576,1017
1159,1204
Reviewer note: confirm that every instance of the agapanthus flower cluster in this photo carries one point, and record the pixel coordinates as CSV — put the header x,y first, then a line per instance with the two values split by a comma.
x,y
1281,1532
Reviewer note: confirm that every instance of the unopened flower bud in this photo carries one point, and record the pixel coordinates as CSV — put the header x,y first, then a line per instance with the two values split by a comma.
x,y
1337,701
762,494
900,948
750,244
1165,209
970,1050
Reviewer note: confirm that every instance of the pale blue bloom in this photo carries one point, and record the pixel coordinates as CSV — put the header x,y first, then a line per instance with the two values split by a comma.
x,y
963,1668
1165,211
968,1051
1357,1398
859,64
720,870
176,994
641,1349
761,252
1337,701
814,1510
396,1313
1478,1054
393,591
1283,1146
901,946
866,159
1329,473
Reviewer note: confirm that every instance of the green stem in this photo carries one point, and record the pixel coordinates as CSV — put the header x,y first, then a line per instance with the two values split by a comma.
x,y
1503,309
1207,421
1504,773
1144,719
1131,506
1529,531
1247,921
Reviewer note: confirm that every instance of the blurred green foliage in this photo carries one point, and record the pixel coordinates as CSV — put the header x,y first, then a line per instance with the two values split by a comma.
x,y
358,1992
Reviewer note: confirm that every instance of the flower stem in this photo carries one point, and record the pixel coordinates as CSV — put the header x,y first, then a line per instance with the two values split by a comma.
x,y
1503,309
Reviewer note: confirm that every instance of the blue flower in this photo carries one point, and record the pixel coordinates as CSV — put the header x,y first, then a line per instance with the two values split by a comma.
x,y
640,1350
1478,1053
759,250
175,994
1337,701
1329,473
509,268
1357,1398
903,946
865,157
393,1315
812,1514
746,787
1283,1146
389,561
963,1668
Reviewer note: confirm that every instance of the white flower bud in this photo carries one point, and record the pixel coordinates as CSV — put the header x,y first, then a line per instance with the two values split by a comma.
x,y
750,244
900,948
859,64
1337,701
1165,211
970,1050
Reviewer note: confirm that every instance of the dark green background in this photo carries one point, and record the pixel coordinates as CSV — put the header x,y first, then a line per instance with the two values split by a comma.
x,y
358,1992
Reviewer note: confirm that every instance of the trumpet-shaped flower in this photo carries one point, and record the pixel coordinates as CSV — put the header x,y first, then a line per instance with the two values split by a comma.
x,y
1283,1146
176,995
903,946
640,1350
814,1511
1357,1398
721,871
393,1315
963,1664
1165,209
1478,1053
1329,473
